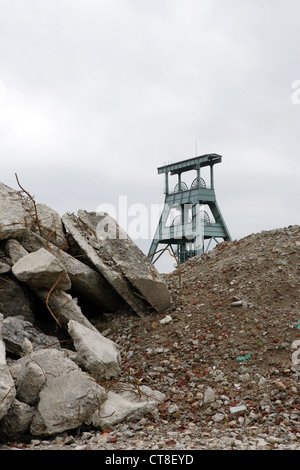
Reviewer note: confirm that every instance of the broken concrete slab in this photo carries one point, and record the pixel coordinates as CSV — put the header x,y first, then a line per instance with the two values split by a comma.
x,y
121,262
85,281
15,330
42,269
131,403
66,402
98,355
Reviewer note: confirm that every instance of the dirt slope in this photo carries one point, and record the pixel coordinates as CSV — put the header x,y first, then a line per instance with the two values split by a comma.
x,y
234,318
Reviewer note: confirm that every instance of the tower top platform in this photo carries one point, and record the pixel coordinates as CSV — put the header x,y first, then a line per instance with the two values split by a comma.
x,y
190,164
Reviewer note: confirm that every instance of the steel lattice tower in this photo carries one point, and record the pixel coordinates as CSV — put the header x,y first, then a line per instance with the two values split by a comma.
x,y
188,230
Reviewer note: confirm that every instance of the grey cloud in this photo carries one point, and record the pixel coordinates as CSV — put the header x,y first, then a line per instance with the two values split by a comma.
x,y
101,93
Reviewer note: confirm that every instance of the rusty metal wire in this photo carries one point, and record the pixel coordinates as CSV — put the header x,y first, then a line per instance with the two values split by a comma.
x,y
48,296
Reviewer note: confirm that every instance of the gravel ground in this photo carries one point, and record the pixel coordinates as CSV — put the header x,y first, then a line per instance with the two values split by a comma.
x,y
223,355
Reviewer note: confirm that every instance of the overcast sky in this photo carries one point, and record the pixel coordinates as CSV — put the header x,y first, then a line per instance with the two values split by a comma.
x,y
96,94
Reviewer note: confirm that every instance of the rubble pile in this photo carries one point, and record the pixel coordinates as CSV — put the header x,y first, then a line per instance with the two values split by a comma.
x,y
57,277
227,351
206,357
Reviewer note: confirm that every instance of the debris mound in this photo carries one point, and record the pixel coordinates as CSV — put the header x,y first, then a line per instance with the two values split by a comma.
x,y
57,277
227,351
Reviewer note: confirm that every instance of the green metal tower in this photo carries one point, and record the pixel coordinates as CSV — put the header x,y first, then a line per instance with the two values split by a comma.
x,y
189,229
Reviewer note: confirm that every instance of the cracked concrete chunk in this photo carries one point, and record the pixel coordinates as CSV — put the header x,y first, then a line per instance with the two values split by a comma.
x,y
98,355
42,269
120,261
66,402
